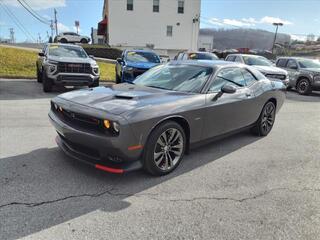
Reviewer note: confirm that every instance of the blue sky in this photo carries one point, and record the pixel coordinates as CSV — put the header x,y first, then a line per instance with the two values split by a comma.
x,y
299,16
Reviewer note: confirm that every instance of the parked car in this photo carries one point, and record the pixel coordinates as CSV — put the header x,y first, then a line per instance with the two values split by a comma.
x,y
67,65
304,74
169,109
71,37
262,64
196,56
133,63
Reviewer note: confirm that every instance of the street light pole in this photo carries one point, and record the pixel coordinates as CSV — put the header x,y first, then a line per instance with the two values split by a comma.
x,y
275,35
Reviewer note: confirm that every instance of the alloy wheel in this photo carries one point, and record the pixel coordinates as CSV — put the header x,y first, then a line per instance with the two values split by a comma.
x,y
268,117
168,149
303,86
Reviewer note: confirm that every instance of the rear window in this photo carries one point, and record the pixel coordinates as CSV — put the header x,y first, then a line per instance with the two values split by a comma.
x,y
231,58
282,63
202,56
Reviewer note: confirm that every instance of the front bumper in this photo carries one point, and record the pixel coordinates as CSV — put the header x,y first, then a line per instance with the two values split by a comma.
x,y
73,79
111,154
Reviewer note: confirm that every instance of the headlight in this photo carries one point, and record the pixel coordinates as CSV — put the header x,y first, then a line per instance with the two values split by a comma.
x,y
114,127
52,66
96,70
316,78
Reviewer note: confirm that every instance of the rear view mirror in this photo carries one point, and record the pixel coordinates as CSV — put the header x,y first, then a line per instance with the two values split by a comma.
x,y
227,88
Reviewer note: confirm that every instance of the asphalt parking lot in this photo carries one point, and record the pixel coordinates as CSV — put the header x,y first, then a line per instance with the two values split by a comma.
x,y
242,187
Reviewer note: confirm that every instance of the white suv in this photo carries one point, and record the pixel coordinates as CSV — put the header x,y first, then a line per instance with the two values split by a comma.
x,y
71,37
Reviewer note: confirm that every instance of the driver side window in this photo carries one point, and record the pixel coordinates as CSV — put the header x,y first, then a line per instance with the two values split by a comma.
x,y
292,64
232,76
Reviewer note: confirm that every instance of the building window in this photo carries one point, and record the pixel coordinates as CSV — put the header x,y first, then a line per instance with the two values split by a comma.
x,y
169,31
130,5
180,6
156,5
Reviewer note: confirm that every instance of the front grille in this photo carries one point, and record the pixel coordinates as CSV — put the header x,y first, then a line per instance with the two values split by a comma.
x,y
74,68
276,76
79,120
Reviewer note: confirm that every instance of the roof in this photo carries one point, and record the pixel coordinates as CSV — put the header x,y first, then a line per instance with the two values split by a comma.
x,y
139,50
243,54
206,63
64,44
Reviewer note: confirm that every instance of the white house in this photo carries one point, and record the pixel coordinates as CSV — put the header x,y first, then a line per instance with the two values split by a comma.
x,y
167,26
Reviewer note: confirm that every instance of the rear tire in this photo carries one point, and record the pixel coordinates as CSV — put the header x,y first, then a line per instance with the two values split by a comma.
x,y
164,149
39,76
303,86
47,83
63,40
266,120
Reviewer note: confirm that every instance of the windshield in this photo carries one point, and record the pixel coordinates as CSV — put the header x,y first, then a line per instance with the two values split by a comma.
x,y
133,56
67,51
184,78
203,56
307,63
256,61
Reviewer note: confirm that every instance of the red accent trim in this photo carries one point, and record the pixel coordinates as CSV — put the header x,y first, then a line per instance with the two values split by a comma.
x,y
136,147
108,169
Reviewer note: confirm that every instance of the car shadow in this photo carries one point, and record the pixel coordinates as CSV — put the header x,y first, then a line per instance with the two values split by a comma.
x,y
22,89
53,188
292,95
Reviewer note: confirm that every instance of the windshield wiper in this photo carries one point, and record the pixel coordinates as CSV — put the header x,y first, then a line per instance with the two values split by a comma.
x,y
157,87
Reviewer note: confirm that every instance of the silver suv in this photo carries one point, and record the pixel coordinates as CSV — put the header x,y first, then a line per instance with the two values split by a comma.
x,y
67,65
304,74
263,65
71,37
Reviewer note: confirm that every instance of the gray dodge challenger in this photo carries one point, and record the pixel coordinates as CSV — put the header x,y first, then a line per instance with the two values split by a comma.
x,y
168,110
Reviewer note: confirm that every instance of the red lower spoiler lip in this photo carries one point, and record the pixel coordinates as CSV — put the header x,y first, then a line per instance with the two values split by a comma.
x,y
108,169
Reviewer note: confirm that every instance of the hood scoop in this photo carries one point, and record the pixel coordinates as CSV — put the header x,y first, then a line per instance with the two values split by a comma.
x,y
125,97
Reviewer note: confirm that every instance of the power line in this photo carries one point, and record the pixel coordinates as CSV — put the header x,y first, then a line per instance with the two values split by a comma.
x,y
32,12
17,22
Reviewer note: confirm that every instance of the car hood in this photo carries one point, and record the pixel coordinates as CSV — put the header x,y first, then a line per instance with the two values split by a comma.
x,y
71,59
312,70
121,98
270,70
144,65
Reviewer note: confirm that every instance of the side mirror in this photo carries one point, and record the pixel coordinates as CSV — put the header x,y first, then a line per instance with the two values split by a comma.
x,y
41,54
227,88
91,56
119,60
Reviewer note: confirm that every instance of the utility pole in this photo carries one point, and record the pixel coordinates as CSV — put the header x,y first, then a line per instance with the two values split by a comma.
x,y
11,35
52,28
275,35
56,21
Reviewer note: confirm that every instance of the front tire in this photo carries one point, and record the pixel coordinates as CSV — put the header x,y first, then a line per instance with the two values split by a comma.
x,y
164,149
47,83
266,120
118,79
304,86
84,41
96,83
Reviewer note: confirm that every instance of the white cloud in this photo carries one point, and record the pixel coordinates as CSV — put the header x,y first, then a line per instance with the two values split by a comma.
x,y
37,4
271,20
299,38
63,28
248,22
237,23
